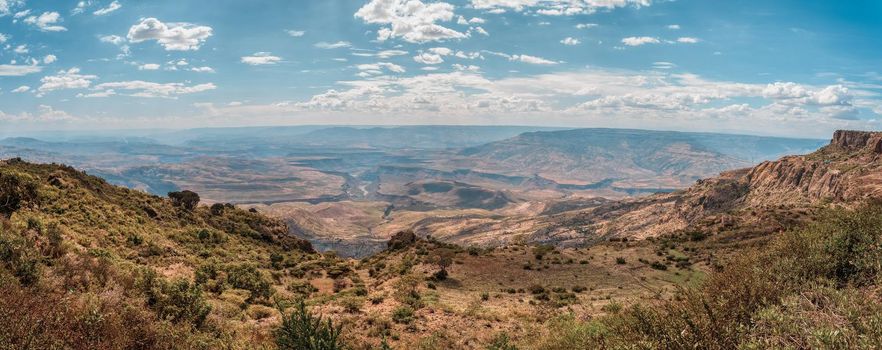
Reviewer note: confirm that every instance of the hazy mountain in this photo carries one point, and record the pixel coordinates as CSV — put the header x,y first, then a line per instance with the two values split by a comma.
x,y
640,158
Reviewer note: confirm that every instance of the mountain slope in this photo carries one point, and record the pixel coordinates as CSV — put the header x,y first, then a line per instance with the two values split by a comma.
x,y
636,158
769,197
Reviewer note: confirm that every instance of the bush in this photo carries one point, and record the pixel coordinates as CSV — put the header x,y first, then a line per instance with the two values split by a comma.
x,y
177,301
501,342
184,199
246,276
620,261
809,288
403,314
300,330
15,190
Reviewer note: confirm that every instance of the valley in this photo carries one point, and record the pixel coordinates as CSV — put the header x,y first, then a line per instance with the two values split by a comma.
x,y
348,189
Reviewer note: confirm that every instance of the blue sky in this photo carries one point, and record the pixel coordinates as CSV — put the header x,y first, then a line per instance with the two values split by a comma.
x,y
796,68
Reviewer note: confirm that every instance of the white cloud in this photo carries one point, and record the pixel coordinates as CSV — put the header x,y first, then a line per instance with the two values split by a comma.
x,y
376,68
797,94
261,58
112,39
6,6
21,49
385,54
336,45
46,22
570,41
663,65
138,88
411,20
687,40
49,59
202,69
12,70
557,7
3,38
148,66
295,33
639,40
23,88
172,36
674,27
470,68
531,60
428,58
586,25
69,79
44,114
110,8
433,55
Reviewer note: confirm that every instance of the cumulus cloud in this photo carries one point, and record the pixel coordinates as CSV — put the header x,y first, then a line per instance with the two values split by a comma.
x,y
410,20
148,66
377,68
261,58
44,114
586,25
687,40
12,70
295,33
557,7
47,22
139,88
640,40
21,49
49,59
112,39
23,88
793,93
66,79
202,69
433,55
674,26
570,41
106,10
172,36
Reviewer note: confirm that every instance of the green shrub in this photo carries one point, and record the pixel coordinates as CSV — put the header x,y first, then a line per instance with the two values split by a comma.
x,y
403,314
248,277
177,301
300,330
501,342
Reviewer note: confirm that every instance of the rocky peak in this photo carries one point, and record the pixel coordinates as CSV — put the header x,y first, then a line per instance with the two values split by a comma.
x,y
857,140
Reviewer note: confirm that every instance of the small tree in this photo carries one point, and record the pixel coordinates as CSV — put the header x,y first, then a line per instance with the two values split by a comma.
x,y
15,191
443,259
184,199
300,330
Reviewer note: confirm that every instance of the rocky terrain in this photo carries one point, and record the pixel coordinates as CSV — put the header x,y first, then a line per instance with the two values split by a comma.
x,y
765,198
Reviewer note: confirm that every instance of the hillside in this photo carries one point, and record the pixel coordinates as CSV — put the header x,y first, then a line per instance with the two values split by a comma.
x,y
133,270
769,197
629,158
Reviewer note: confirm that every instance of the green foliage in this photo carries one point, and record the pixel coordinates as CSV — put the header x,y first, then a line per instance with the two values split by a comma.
x,y
810,288
16,189
187,200
248,277
300,330
403,314
18,255
501,342
177,301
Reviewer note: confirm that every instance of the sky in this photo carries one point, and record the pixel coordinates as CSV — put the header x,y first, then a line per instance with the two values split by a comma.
x,y
788,67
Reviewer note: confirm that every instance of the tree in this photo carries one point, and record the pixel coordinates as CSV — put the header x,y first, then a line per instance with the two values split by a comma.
x,y
217,209
443,259
185,199
301,330
15,191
